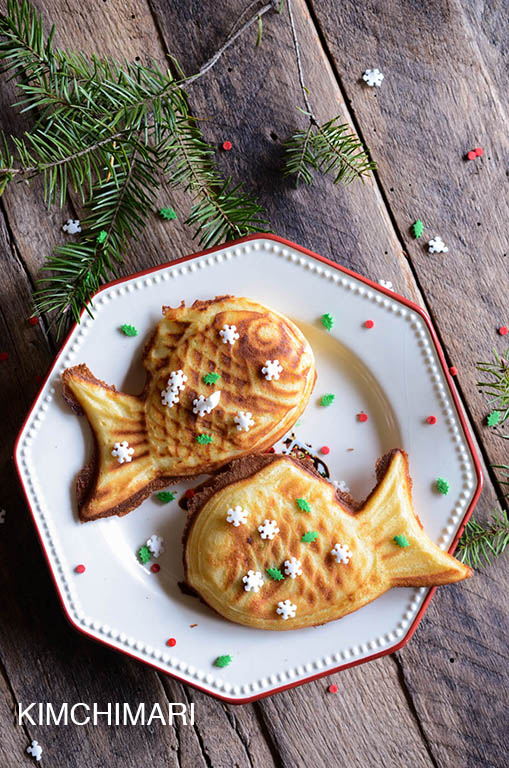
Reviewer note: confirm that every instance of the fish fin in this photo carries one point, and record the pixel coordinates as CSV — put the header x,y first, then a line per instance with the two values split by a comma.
x,y
104,486
407,556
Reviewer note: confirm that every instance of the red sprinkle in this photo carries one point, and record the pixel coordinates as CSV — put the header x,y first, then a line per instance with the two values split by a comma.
x,y
503,330
471,155
333,688
453,371
80,569
189,493
369,324
227,145
155,568
33,320
271,450
4,355
325,450
362,416
171,642
431,419
479,152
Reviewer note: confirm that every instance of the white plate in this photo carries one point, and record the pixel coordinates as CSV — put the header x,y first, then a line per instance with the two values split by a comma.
x,y
394,372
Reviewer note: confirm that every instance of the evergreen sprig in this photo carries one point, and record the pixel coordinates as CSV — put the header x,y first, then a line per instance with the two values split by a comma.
x,y
329,147
481,542
112,132
496,384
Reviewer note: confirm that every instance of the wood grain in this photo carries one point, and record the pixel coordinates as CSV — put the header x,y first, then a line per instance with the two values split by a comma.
x,y
438,101
417,704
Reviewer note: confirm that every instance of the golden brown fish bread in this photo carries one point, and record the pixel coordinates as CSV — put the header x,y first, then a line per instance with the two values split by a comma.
x,y
272,545
225,378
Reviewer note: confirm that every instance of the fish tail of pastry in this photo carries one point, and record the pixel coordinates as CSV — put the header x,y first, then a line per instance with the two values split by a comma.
x,y
107,486
408,557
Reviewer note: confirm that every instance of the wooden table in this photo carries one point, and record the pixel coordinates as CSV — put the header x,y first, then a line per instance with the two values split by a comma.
x,y
441,700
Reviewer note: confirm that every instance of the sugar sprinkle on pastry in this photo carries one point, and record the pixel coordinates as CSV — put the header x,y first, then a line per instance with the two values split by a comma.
x,y
272,369
253,581
237,516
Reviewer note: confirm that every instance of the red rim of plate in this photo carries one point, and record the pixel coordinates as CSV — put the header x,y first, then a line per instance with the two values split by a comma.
x,y
452,390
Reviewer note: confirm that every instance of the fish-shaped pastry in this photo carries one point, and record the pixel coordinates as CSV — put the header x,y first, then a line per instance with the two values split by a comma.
x,y
225,378
272,545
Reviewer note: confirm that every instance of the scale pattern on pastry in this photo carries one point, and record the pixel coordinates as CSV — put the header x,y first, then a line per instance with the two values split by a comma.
x,y
163,423
353,560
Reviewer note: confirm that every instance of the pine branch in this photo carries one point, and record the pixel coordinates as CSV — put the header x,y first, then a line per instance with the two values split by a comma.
x,y
479,543
496,387
340,152
225,214
117,212
328,147
109,130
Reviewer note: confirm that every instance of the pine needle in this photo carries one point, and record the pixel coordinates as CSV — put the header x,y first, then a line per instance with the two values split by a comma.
x,y
496,385
330,148
482,542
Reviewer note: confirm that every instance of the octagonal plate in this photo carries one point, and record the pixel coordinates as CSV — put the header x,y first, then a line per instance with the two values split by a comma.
x,y
394,372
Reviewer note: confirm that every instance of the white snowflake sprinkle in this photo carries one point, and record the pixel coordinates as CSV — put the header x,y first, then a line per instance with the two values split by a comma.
x,y
156,545
72,226
269,529
175,384
340,485
229,334
293,567
272,369
244,420
169,397
122,452
35,750
437,245
286,609
206,404
373,77
3,514
237,516
253,581
342,553
177,380
386,284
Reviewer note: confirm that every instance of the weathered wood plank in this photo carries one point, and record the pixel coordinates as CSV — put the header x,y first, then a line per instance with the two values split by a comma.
x,y
366,723
438,101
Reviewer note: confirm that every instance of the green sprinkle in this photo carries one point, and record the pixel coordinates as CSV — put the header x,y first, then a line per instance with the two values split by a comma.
x,y
328,321
310,536
442,486
303,505
211,378
165,496
204,439
128,330
101,237
275,574
167,213
144,554
328,399
493,419
223,661
418,228
401,541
